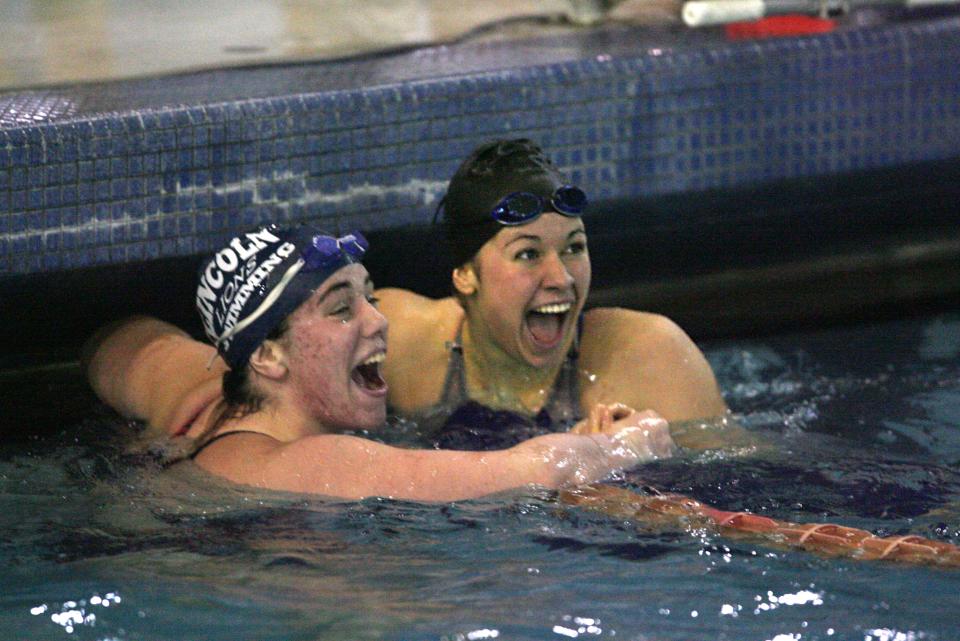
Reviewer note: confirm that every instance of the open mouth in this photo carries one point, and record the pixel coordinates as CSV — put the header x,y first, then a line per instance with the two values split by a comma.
x,y
546,323
367,374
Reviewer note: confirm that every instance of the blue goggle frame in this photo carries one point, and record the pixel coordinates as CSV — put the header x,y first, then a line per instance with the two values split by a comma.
x,y
324,252
521,207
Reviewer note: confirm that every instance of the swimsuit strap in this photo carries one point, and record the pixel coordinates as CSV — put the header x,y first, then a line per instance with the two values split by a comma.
x,y
455,381
216,438
564,399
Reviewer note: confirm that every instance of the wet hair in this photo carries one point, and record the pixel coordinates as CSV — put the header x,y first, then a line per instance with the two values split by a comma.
x,y
239,396
492,171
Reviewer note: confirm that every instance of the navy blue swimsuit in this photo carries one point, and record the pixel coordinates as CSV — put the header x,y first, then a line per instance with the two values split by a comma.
x,y
473,426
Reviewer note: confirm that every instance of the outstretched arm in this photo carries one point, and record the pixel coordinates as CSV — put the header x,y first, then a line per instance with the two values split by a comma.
x,y
354,468
150,370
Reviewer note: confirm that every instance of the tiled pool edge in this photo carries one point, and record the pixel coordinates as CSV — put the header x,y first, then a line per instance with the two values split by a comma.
x,y
112,188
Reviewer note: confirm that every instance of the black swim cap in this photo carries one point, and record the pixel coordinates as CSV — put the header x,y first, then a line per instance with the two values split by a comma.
x,y
494,170
247,288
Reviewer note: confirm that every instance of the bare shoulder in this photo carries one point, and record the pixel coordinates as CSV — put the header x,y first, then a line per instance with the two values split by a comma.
x,y
396,301
417,354
613,330
614,335
240,455
412,312
648,361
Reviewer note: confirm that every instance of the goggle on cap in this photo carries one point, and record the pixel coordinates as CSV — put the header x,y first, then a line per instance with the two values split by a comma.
x,y
247,288
504,182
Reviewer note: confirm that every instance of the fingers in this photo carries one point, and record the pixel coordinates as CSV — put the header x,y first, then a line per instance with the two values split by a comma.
x,y
602,417
622,438
598,420
633,436
619,411
643,436
587,425
625,416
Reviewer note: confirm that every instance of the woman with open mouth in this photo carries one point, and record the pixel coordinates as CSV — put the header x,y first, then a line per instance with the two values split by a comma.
x,y
297,355
512,351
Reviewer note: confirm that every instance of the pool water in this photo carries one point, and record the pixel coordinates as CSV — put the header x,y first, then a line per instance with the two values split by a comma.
x,y
864,422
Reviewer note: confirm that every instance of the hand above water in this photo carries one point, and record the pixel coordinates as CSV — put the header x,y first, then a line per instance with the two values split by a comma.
x,y
624,431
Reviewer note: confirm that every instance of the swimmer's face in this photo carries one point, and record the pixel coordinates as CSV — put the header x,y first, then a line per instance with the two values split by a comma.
x,y
334,347
526,287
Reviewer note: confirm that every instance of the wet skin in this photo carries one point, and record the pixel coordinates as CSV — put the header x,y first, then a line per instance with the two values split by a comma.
x,y
542,265
329,337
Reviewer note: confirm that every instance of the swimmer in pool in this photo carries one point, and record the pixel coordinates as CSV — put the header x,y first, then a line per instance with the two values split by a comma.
x,y
513,345
300,344
300,341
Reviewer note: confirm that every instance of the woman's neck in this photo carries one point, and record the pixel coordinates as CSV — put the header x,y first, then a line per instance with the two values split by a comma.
x,y
282,419
500,381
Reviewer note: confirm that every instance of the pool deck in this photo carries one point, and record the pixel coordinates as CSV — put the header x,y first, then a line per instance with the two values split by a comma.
x,y
677,131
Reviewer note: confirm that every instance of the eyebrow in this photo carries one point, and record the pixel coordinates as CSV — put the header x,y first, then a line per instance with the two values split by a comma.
x,y
534,237
336,288
346,284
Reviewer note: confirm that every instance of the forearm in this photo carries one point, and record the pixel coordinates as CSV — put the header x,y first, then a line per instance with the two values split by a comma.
x,y
557,460
143,367
576,459
552,461
354,468
113,357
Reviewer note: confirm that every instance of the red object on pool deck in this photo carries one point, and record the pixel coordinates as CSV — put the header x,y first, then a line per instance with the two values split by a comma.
x,y
823,538
778,26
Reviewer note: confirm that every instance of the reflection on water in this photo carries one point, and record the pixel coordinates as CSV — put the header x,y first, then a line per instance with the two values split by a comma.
x,y
102,546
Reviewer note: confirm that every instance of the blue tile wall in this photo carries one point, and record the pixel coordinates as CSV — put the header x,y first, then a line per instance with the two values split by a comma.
x,y
144,169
